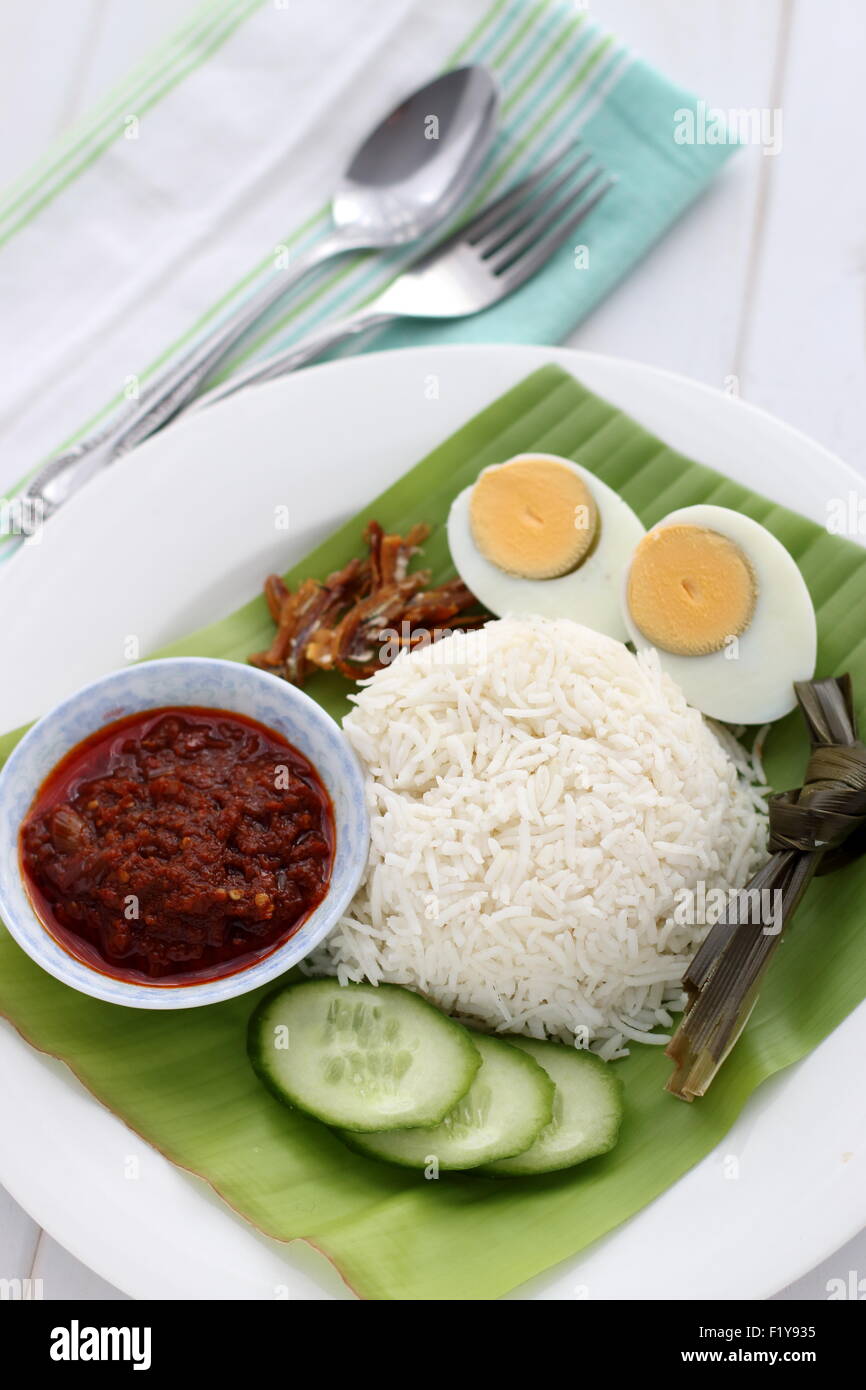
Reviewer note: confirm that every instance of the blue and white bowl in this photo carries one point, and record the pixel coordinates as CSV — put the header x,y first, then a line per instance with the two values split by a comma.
x,y
152,685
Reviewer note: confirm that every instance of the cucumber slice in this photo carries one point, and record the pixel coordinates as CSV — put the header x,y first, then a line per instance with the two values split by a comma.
x,y
361,1056
507,1106
587,1110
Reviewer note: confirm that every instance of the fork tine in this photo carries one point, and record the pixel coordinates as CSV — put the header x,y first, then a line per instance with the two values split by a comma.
x,y
505,228
543,217
526,265
491,213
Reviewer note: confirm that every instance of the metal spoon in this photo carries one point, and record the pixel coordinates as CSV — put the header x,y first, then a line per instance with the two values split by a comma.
x,y
408,176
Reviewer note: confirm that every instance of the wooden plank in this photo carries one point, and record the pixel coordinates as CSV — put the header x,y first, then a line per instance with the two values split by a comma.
x,y
838,1278
680,308
64,1277
19,1236
804,345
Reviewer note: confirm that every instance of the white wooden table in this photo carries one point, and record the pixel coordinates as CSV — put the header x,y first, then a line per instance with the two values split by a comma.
x,y
759,290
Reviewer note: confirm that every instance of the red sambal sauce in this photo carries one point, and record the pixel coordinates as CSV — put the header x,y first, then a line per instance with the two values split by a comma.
x,y
178,844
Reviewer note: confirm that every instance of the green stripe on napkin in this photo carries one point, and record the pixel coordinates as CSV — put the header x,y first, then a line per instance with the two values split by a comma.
x,y
104,127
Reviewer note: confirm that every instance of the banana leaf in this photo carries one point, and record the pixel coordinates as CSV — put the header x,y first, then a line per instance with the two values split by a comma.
x,y
182,1081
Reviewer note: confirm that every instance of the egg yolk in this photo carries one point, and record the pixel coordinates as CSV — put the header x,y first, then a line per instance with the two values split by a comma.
x,y
535,518
690,590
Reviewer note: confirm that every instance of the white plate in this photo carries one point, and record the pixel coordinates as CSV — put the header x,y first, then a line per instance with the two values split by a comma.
x,y
177,535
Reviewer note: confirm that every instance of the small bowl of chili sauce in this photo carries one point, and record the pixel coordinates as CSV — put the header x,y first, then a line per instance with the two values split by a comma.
x,y
179,833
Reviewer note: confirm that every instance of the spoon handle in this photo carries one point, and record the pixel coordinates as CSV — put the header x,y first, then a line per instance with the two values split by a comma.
x,y
281,363
171,391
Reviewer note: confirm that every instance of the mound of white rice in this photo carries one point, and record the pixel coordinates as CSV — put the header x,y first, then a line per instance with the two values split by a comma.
x,y
539,798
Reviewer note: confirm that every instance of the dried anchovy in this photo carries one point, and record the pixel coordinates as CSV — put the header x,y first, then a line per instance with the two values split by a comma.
x,y
371,607
813,830
298,615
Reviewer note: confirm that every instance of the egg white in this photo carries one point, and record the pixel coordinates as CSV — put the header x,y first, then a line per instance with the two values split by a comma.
x,y
590,594
753,681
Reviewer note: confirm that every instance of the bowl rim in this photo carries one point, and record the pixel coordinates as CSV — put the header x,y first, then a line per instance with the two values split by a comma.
x,y
195,994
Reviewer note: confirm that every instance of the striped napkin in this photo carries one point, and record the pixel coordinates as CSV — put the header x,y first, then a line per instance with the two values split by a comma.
x,y
212,166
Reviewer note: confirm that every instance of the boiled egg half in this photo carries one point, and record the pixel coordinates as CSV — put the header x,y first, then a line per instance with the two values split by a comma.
x,y
541,534
726,608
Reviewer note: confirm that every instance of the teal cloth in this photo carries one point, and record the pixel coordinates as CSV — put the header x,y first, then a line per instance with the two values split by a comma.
x,y
632,136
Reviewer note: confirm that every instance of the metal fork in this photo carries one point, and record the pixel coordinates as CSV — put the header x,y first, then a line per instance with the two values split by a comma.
x,y
491,256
